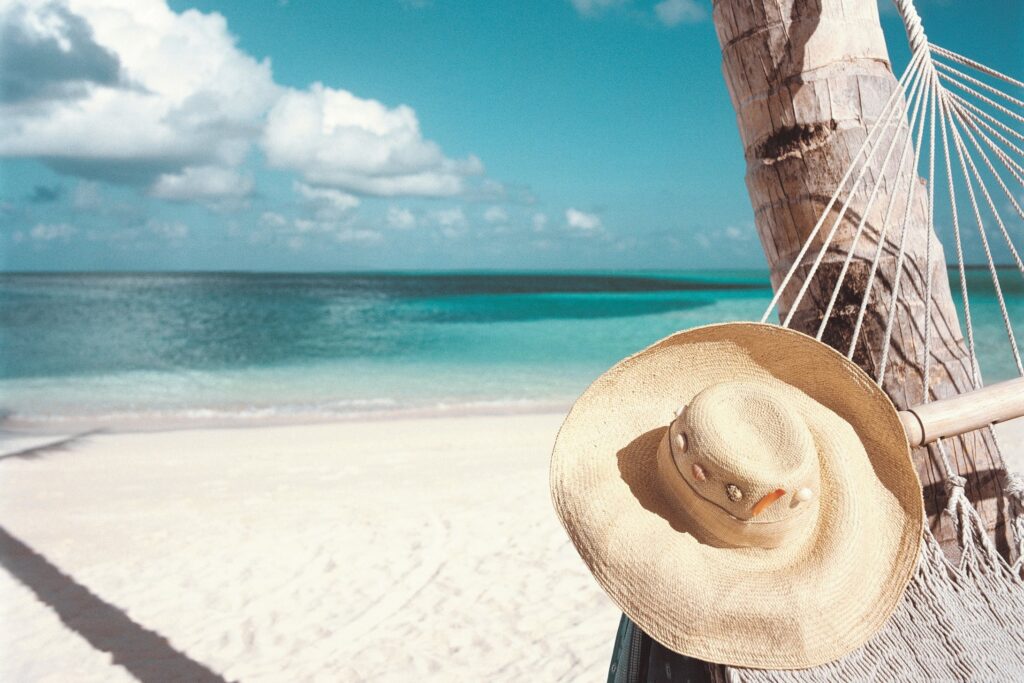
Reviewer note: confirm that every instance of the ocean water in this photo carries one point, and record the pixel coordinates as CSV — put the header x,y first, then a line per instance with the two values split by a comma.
x,y
137,350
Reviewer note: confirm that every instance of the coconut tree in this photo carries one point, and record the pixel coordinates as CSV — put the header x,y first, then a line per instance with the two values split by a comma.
x,y
808,78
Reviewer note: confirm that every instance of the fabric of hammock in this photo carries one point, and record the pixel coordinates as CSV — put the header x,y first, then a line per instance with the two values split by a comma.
x,y
959,620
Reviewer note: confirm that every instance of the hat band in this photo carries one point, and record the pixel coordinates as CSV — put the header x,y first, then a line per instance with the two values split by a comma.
x,y
720,523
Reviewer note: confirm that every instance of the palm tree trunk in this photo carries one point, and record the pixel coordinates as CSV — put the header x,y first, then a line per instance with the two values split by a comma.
x,y
807,79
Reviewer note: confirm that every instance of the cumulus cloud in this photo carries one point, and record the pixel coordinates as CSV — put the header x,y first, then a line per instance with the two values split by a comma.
x,y
675,12
169,230
297,232
87,196
47,232
539,221
452,222
272,219
184,95
333,138
328,202
451,218
202,182
668,12
50,55
582,221
402,219
496,214
340,233
129,91
359,235
592,7
735,233
732,236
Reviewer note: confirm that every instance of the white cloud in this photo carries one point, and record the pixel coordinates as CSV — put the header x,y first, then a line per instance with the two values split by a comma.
x,y
400,218
202,183
739,234
169,230
361,235
582,221
496,214
300,231
333,138
86,196
184,95
592,7
668,12
50,55
732,237
272,219
47,232
452,222
340,233
304,225
675,12
451,218
539,221
330,202
452,233
132,92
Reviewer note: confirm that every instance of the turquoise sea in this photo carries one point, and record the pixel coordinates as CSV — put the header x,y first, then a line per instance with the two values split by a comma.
x,y
150,349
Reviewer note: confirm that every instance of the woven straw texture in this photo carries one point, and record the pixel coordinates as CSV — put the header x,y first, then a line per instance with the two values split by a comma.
x,y
808,602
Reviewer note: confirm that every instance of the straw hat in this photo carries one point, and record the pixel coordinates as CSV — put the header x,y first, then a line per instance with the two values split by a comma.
x,y
744,494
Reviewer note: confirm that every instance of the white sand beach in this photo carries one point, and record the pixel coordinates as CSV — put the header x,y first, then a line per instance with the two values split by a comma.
x,y
391,550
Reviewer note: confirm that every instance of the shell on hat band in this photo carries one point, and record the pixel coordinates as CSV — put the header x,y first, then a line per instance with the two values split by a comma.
x,y
681,442
734,451
769,498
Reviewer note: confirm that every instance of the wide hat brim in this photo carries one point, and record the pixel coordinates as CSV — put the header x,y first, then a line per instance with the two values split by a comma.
x,y
799,605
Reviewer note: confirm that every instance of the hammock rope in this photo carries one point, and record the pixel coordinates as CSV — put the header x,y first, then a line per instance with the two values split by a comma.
x,y
923,86
961,618
888,113
857,234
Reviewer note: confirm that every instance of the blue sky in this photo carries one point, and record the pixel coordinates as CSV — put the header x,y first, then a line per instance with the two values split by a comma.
x,y
386,134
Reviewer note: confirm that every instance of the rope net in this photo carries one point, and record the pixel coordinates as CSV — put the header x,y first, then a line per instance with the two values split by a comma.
x,y
956,123
972,136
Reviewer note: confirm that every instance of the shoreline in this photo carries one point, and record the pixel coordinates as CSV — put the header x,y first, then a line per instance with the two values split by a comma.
x,y
269,417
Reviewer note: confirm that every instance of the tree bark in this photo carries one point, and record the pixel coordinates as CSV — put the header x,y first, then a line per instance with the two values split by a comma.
x,y
807,79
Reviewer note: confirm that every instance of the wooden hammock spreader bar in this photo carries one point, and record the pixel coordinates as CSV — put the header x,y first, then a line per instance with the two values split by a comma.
x,y
964,413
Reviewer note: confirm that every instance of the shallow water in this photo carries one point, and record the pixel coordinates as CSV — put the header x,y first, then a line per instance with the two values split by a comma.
x,y
135,348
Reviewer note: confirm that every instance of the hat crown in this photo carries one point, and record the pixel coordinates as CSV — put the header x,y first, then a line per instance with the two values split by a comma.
x,y
743,449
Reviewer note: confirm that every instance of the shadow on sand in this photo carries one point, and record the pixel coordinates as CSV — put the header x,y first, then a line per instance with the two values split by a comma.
x,y
146,655
50,447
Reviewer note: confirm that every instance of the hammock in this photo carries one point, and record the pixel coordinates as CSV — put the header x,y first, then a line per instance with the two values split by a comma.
x,y
960,619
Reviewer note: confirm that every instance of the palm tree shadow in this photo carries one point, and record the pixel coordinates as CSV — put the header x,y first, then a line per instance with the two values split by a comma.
x,y
145,654
59,445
